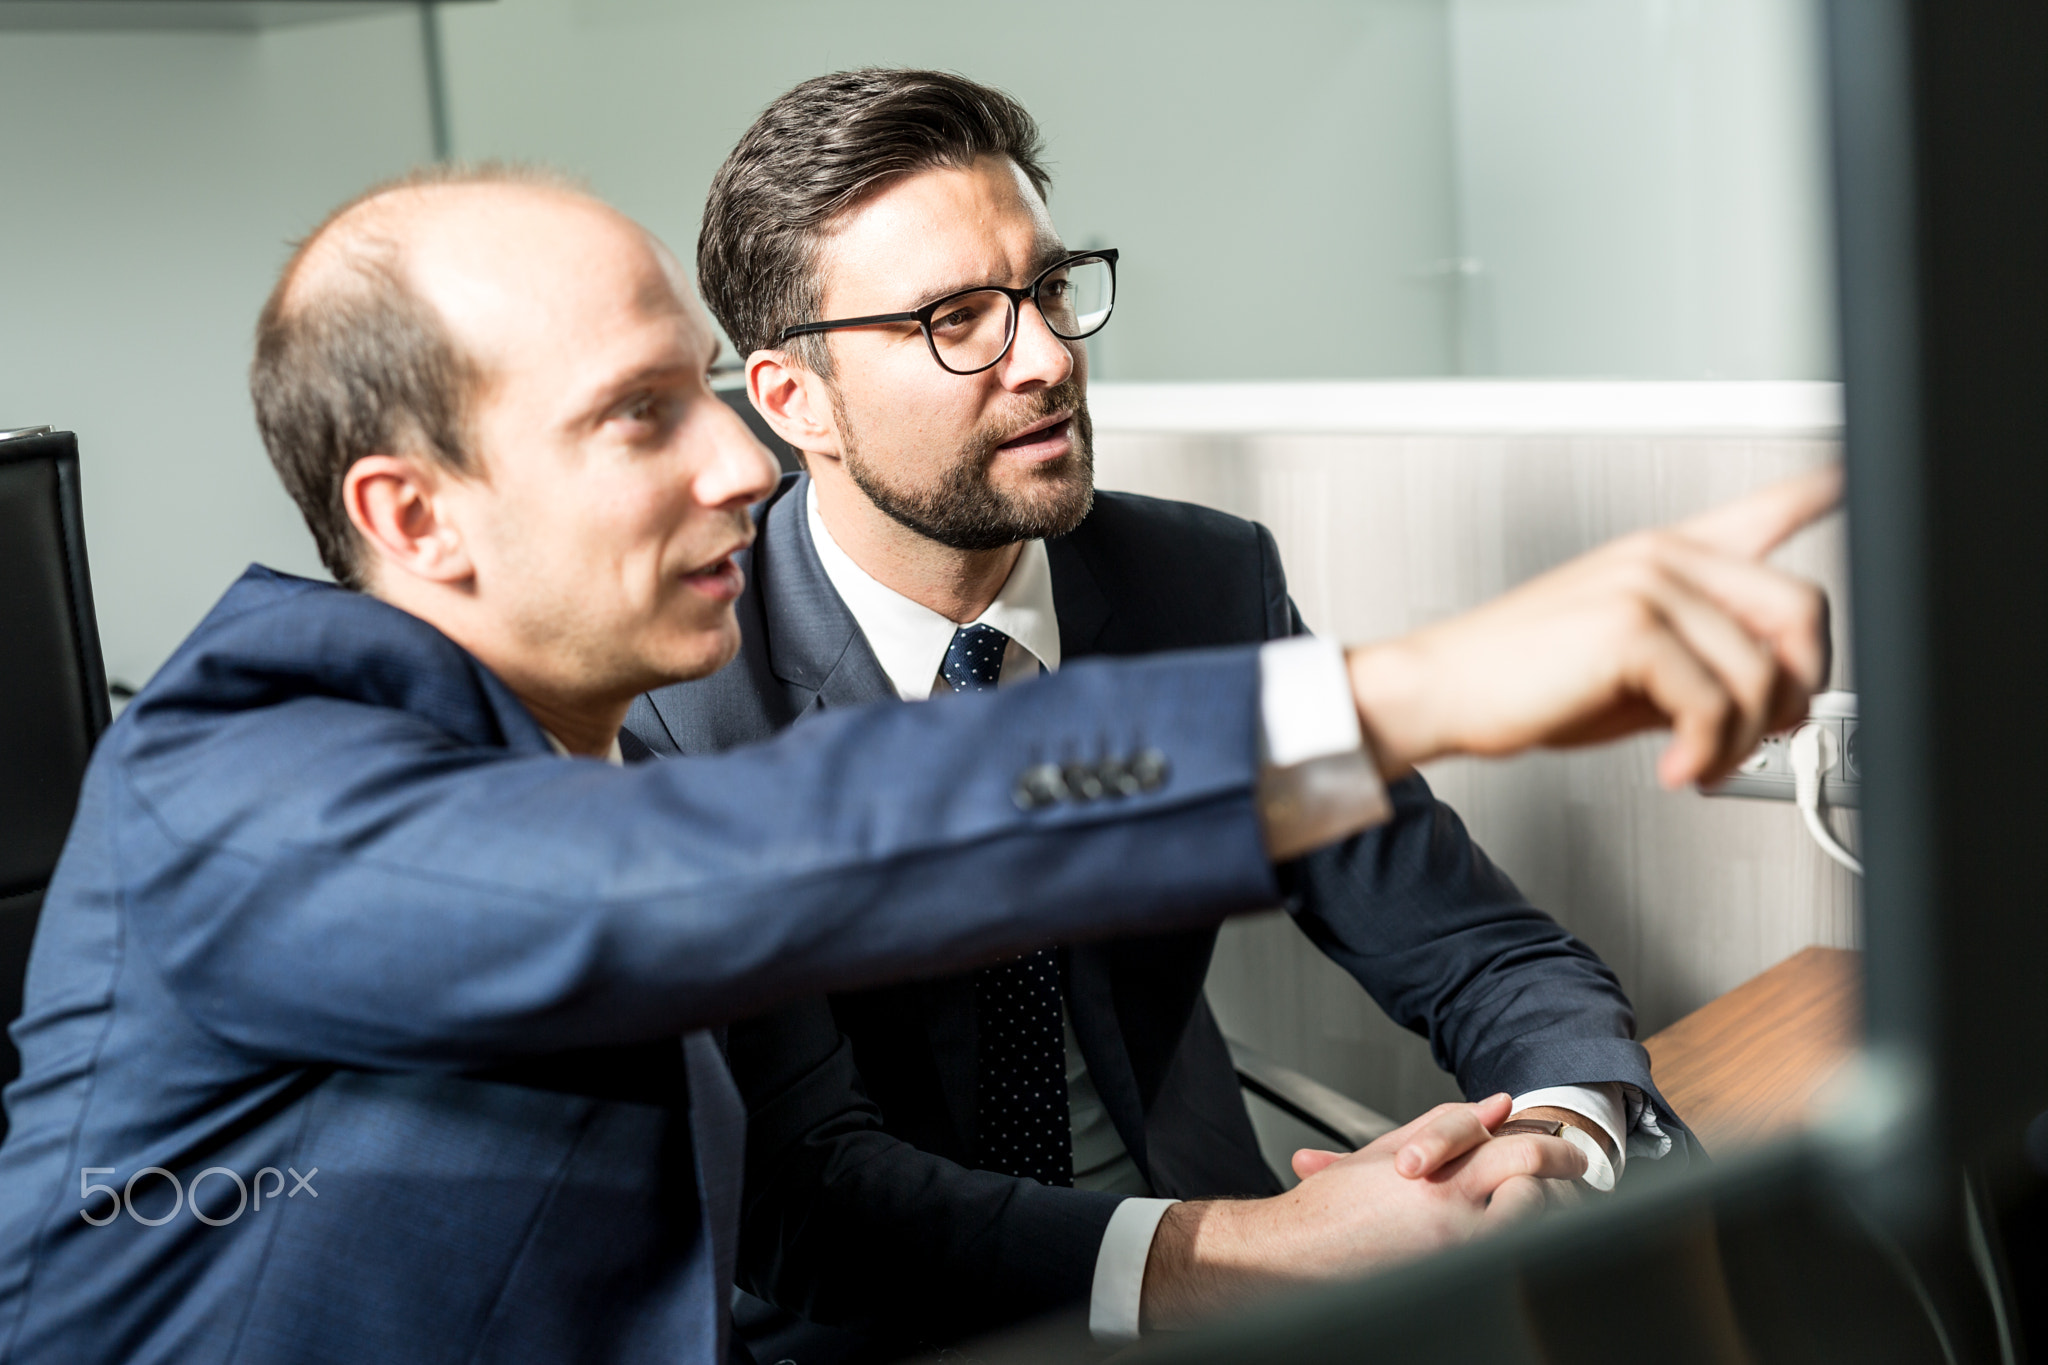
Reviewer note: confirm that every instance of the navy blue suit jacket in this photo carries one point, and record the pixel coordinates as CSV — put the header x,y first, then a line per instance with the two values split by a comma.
x,y
332,909
858,1209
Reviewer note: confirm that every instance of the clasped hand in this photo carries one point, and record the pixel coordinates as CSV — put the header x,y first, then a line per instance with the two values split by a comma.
x,y
1432,1183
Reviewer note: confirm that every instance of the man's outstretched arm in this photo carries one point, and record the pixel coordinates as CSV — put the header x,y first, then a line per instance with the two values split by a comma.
x,y
600,907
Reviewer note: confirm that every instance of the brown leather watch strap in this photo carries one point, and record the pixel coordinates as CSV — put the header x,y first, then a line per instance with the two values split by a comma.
x,y
1564,1118
1540,1127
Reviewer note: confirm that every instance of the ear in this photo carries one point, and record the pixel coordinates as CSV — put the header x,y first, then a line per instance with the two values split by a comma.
x,y
794,401
396,505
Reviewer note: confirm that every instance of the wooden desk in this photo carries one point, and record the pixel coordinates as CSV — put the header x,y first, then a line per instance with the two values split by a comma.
x,y
1746,1067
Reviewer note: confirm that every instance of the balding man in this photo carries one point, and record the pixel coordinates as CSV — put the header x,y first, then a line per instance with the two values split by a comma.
x,y
365,1023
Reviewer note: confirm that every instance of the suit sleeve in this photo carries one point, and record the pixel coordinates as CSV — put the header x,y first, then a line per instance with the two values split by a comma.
x,y
1448,946
846,1225
325,879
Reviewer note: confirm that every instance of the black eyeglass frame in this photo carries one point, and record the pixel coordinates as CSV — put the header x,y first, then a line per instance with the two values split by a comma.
x,y
1018,298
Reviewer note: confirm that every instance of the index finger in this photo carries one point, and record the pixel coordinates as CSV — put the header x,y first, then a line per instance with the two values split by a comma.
x,y
1755,524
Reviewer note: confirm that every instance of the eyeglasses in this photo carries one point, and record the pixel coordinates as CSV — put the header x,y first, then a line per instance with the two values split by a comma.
x,y
973,330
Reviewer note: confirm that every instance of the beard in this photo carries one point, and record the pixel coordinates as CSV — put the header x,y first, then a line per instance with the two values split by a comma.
x,y
964,510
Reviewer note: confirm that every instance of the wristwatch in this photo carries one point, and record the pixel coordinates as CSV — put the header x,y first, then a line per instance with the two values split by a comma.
x,y
1540,1127
1600,1167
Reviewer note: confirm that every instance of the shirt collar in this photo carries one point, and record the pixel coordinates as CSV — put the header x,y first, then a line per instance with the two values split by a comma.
x,y
909,639
616,757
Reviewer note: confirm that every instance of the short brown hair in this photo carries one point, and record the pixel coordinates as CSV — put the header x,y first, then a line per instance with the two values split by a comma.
x,y
363,365
815,153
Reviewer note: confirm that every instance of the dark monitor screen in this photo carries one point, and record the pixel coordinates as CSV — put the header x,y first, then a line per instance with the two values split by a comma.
x,y
1941,130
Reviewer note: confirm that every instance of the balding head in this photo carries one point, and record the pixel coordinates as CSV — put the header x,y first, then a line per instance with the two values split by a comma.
x,y
489,395
356,354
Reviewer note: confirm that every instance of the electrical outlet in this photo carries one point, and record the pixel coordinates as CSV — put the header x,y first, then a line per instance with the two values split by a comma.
x,y
1767,773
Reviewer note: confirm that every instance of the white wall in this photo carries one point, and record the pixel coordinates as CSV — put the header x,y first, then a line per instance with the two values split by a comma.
x,y
1642,188
1640,184
1288,181
154,181
1277,176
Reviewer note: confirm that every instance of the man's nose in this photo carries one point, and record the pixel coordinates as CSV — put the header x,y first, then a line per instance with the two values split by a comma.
x,y
1037,356
740,472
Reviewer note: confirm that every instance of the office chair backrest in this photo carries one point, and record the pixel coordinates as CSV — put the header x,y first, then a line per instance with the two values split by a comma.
x,y
53,688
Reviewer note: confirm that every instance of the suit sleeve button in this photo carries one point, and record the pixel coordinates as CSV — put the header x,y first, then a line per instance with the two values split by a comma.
x,y
1083,782
1038,785
1149,769
1116,777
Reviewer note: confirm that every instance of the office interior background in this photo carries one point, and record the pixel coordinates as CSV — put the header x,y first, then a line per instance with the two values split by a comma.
x,y
1330,211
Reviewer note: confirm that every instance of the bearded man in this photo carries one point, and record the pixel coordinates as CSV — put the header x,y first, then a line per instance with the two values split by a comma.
x,y
932,1159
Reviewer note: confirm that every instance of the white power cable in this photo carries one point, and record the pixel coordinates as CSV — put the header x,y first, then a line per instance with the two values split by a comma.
x,y
1812,756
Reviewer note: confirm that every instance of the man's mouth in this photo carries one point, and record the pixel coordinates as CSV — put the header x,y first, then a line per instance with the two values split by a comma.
x,y
1046,439
721,579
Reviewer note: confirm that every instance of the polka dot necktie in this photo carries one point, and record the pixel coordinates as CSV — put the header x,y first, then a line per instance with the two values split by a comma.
x,y
1020,1056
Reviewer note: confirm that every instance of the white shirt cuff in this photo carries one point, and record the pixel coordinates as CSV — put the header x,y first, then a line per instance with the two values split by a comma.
x,y
1646,1137
1601,1103
1120,1269
1317,783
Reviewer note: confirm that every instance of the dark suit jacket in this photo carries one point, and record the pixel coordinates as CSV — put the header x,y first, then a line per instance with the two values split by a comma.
x,y
330,905
845,1225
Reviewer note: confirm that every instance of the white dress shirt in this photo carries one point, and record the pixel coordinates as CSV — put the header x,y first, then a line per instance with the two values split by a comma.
x,y
1317,784
616,757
